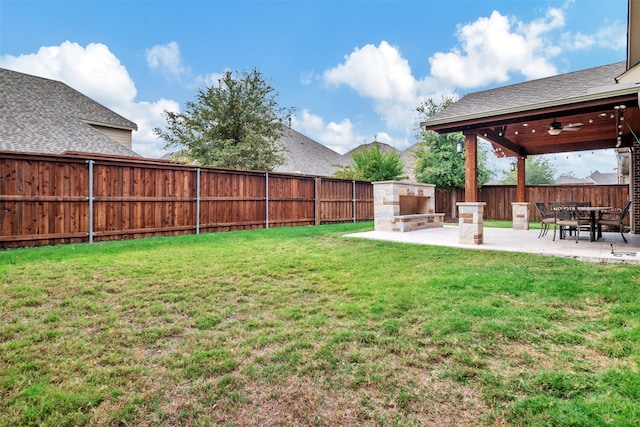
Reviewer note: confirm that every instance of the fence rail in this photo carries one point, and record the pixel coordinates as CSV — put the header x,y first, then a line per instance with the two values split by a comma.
x,y
79,198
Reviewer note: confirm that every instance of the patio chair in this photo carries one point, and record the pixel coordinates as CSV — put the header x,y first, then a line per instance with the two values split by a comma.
x,y
584,218
615,218
566,218
546,217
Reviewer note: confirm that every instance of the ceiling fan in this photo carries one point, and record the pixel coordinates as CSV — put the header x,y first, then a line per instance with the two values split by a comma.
x,y
555,127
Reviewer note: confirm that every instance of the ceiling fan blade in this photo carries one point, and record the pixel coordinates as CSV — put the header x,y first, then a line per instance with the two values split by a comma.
x,y
572,126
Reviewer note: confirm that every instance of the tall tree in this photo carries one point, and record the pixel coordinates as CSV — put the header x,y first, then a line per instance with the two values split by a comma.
x,y
538,170
437,161
235,124
372,164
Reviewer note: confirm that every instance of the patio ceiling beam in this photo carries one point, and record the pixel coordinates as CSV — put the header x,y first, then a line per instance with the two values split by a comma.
x,y
510,148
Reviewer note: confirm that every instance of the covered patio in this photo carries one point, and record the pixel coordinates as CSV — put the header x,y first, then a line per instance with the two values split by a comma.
x,y
586,110
526,241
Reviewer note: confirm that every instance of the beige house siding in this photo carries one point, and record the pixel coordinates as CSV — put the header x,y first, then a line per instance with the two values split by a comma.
x,y
121,136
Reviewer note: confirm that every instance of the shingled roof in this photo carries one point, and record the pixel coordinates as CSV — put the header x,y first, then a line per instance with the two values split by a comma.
x,y
46,116
530,94
304,155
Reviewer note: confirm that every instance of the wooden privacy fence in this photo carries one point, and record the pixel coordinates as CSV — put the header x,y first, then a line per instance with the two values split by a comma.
x,y
499,198
78,198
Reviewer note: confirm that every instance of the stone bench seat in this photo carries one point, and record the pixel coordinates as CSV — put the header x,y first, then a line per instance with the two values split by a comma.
x,y
403,223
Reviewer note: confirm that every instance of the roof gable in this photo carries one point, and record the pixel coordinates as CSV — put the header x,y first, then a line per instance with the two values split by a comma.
x,y
304,155
47,116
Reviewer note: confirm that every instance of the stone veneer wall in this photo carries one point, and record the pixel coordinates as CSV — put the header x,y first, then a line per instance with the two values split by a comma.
x,y
520,215
471,223
386,206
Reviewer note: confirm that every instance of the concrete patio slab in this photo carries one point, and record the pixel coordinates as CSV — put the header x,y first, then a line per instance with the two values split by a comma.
x,y
527,241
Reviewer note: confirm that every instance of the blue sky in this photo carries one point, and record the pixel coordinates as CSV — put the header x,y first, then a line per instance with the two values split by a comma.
x,y
354,70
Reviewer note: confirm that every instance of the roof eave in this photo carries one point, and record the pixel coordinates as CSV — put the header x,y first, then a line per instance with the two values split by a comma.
x,y
601,93
131,127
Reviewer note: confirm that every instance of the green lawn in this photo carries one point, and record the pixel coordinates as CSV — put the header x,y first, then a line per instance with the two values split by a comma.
x,y
301,326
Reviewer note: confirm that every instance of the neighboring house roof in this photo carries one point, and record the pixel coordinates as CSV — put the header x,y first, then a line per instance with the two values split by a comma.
x,y
304,155
409,160
600,178
384,148
596,178
570,180
533,94
46,116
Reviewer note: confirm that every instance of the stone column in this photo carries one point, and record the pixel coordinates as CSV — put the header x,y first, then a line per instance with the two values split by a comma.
x,y
471,223
520,215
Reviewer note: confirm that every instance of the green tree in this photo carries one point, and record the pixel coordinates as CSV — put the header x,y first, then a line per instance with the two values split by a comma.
x,y
538,170
437,161
372,164
234,124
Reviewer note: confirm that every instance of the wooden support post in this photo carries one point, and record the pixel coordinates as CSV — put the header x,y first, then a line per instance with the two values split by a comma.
x,y
471,168
521,180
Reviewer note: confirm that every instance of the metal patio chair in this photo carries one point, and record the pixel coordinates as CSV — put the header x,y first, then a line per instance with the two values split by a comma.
x,y
566,218
616,219
547,217
584,218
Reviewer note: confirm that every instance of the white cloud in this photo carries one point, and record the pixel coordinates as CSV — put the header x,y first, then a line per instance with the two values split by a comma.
x,y
492,48
339,137
166,59
95,72
378,72
148,115
307,78
383,75
610,36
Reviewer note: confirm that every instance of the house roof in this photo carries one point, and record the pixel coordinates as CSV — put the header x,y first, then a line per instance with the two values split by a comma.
x,y
384,148
304,155
571,180
47,116
604,178
531,94
516,118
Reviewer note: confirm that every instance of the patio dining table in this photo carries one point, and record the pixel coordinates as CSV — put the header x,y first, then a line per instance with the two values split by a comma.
x,y
592,219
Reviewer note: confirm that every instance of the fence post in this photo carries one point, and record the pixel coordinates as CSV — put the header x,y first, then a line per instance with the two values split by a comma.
x,y
90,198
316,210
354,199
266,176
197,200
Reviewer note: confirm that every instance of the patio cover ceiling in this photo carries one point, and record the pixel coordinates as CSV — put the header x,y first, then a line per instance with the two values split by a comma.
x,y
516,118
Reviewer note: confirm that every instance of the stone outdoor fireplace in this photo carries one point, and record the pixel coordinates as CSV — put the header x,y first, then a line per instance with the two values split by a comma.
x,y
404,206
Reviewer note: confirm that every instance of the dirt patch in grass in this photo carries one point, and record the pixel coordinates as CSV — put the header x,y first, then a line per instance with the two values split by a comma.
x,y
302,401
